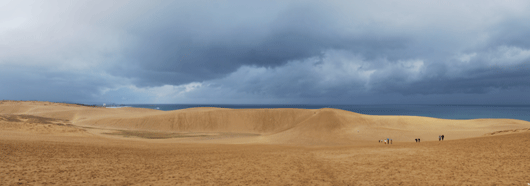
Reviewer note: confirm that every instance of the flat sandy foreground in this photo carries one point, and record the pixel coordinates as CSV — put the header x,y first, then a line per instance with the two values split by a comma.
x,y
43,143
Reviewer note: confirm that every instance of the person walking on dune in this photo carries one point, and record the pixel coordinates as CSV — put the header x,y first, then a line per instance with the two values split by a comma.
x,y
442,137
439,138
416,140
419,140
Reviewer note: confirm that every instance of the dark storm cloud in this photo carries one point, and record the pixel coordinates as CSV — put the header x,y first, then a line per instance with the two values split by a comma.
x,y
192,47
279,51
481,81
511,32
21,83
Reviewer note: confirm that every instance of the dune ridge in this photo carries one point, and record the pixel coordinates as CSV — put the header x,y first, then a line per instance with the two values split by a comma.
x,y
276,126
43,143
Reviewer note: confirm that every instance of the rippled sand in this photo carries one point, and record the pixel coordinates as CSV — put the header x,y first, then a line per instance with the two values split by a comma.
x,y
49,143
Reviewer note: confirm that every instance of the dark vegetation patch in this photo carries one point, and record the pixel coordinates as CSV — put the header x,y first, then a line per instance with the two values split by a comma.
x,y
166,135
9,118
33,119
154,135
89,127
508,131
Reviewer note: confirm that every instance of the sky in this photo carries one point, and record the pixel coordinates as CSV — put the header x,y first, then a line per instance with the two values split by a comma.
x,y
266,52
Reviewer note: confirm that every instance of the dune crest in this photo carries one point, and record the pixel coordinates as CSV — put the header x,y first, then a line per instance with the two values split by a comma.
x,y
274,126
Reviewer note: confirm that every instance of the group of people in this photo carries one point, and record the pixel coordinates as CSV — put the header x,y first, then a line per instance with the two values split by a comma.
x,y
440,138
386,141
389,141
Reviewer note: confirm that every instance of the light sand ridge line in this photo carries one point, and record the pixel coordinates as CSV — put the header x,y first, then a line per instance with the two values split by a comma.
x,y
274,126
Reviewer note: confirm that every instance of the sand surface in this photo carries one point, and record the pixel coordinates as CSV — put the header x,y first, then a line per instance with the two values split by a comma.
x,y
45,143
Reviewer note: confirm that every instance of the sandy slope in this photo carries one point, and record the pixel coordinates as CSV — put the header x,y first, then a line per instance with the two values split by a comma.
x,y
274,126
45,143
45,160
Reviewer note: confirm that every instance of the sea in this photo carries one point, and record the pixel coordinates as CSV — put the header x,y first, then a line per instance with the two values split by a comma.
x,y
521,112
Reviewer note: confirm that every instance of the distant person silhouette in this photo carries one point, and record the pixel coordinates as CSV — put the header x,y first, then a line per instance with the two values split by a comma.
x,y
442,137
419,140
416,140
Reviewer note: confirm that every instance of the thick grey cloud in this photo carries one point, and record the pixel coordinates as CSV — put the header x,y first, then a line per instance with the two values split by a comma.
x,y
195,45
265,51
22,83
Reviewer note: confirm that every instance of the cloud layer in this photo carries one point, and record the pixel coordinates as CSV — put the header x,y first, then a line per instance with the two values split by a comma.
x,y
347,52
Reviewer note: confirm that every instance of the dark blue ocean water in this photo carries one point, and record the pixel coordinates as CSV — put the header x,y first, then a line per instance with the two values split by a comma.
x,y
521,112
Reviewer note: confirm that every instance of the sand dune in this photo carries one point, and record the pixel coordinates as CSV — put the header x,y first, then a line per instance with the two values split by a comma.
x,y
44,143
274,126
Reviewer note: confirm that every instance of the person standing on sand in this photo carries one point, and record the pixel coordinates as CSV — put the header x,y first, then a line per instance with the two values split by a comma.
x,y
416,140
439,138
419,140
442,137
